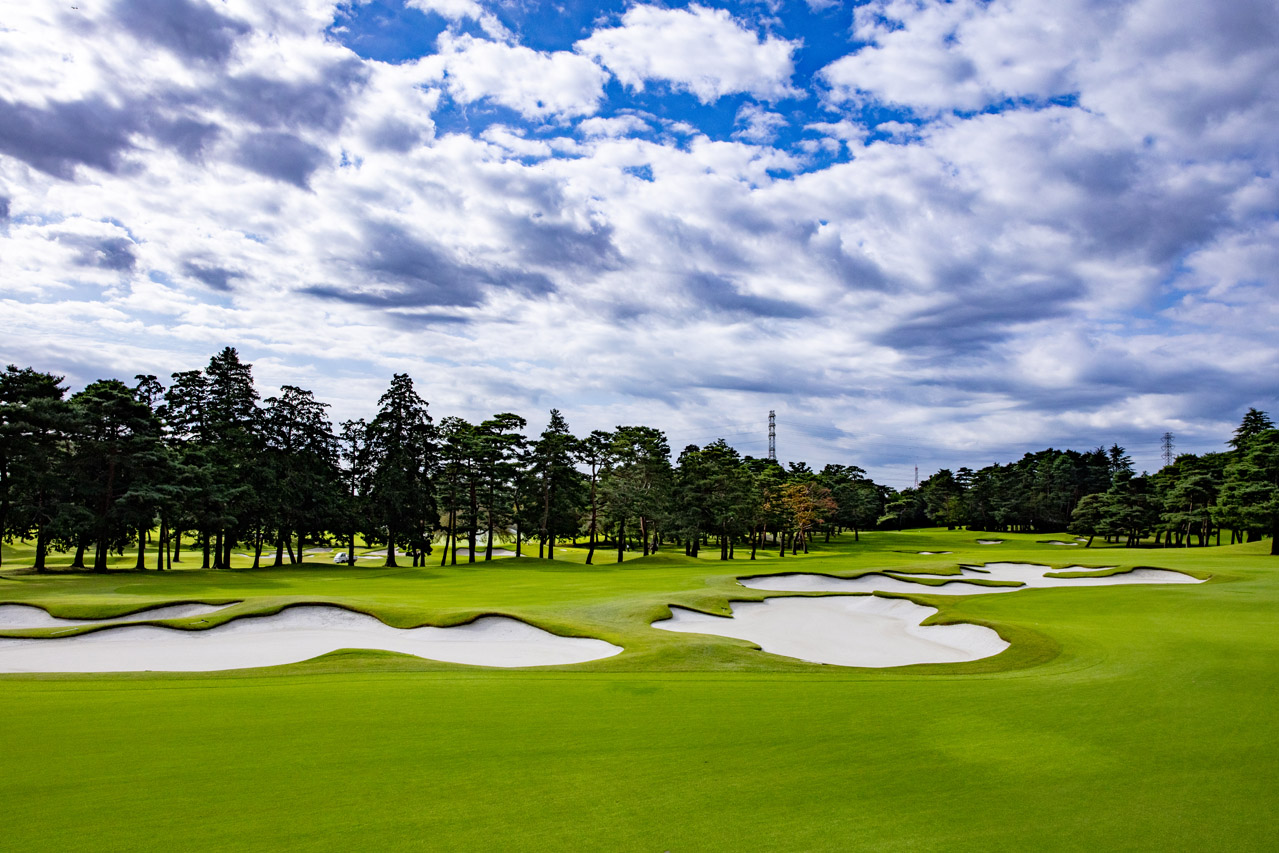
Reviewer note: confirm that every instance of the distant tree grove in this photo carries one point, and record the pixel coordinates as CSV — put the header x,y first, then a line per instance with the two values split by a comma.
x,y
204,467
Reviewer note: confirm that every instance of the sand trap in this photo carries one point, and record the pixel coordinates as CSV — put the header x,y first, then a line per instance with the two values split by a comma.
x,y
20,616
1059,542
1028,575
930,553
293,635
854,631
990,542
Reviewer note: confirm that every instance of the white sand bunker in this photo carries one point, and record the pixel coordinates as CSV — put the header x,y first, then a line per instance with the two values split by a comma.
x,y
1028,575
853,631
293,635
931,553
1059,542
20,616
990,542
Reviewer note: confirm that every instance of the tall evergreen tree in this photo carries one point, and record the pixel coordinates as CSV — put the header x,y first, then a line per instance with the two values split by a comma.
x,y
28,414
560,485
501,444
402,459
1250,494
301,455
595,452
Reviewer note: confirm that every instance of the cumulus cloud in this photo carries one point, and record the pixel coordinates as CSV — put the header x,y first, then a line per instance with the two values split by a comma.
x,y
699,50
536,84
613,126
192,29
1030,223
756,124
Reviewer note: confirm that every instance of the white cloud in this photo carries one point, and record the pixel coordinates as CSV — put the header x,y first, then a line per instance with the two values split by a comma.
x,y
756,124
457,10
967,54
999,282
699,50
622,125
536,84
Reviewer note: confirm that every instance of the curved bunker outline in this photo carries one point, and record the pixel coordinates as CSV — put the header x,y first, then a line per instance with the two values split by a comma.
x,y
868,631
312,630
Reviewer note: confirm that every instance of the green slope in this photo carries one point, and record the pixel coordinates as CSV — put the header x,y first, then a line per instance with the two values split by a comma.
x,y
1122,718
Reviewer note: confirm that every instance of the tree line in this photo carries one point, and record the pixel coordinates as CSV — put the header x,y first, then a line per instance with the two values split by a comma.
x,y
1097,493
206,465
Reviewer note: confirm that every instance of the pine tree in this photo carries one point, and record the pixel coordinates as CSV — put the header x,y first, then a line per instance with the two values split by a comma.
x,y
402,458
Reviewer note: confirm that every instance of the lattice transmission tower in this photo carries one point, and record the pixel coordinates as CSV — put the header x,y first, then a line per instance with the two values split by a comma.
x,y
1168,446
772,435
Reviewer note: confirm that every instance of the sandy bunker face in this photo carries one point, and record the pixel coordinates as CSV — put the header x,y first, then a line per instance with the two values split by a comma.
x,y
293,635
848,631
20,616
1028,575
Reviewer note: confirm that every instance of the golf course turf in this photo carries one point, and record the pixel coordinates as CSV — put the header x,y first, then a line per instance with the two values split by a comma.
x,y
1120,718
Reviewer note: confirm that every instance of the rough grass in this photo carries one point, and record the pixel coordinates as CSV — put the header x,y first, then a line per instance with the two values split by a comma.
x,y
1121,718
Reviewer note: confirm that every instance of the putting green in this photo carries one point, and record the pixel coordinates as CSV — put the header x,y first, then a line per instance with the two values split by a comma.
x,y
1125,717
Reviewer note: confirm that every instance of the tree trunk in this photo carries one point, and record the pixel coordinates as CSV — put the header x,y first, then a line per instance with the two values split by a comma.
x,y
204,544
453,535
301,553
488,545
177,547
257,549
288,544
644,533
141,564
473,527
42,548
279,551
78,561
162,545
390,550
723,541
1274,536
782,551
621,538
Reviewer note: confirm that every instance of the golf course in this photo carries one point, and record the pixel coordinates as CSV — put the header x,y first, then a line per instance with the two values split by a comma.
x,y
1126,716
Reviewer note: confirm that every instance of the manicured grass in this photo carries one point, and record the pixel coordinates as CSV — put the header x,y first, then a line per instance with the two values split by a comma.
x,y
1137,717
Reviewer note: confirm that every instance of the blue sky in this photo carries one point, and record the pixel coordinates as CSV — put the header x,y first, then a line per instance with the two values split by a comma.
x,y
929,234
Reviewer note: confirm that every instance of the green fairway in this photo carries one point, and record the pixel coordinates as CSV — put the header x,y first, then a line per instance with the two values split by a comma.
x,y
1140,717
